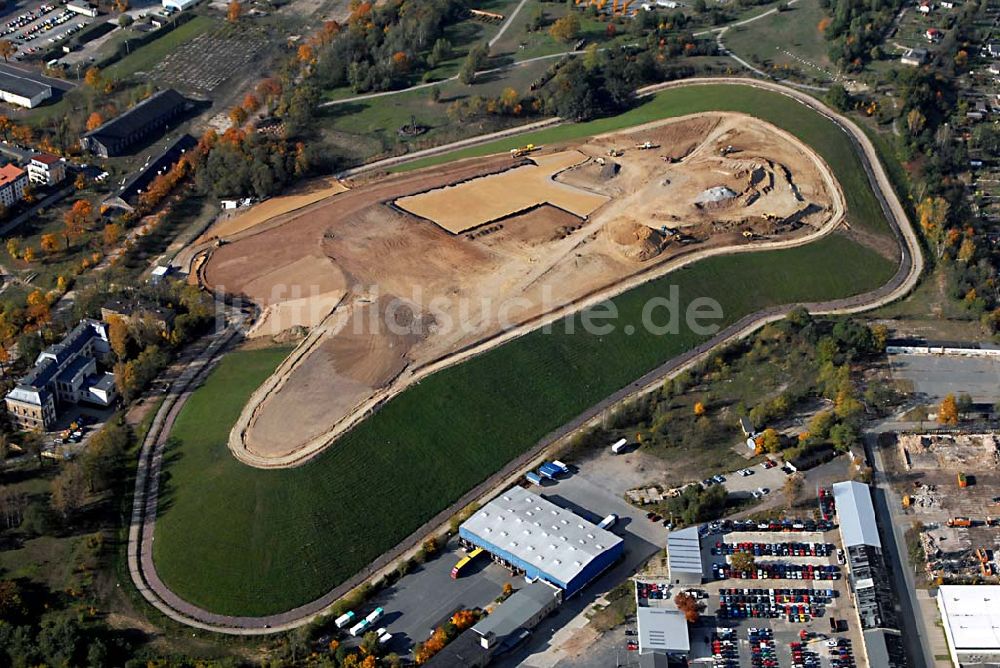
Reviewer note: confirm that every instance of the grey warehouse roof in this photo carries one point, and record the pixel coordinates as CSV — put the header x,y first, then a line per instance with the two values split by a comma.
x,y
554,540
516,611
22,86
856,514
684,551
662,630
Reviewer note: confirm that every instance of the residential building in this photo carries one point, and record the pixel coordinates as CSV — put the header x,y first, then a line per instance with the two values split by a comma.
x,y
971,624
22,90
135,311
46,169
914,57
145,121
933,35
531,535
13,181
64,373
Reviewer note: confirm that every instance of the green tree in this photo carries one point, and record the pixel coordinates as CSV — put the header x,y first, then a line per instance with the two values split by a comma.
x,y
69,490
565,29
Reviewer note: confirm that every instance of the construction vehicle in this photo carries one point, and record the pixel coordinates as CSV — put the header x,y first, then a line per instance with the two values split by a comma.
x,y
963,481
988,569
601,161
615,152
647,145
748,235
959,522
907,500
726,150
983,555
522,150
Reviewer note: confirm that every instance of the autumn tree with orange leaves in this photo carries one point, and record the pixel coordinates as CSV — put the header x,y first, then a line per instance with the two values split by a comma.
x,y
95,120
77,219
688,604
234,10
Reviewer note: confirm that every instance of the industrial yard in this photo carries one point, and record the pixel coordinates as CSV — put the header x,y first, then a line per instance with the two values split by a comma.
x,y
571,232
948,484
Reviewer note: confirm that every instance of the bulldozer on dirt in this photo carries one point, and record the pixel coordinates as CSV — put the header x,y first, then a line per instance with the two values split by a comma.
x,y
647,145
521,151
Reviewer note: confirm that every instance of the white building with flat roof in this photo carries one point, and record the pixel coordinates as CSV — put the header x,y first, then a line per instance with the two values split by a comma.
x,y
971,618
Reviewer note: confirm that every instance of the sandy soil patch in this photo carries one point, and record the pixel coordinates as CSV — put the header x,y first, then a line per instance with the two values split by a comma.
x,y
478,201
307,194
643,209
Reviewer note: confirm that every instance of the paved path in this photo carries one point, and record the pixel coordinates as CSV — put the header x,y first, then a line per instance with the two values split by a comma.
x,y
141,565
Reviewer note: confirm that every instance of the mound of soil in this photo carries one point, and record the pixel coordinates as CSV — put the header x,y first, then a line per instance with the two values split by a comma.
x,y
636,241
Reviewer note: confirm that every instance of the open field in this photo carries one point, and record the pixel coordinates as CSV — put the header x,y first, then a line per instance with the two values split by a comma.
x,y
150,55
704,183
787,40
301,531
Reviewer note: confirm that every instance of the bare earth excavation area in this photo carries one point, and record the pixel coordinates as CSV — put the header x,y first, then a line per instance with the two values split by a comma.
x,y
392,276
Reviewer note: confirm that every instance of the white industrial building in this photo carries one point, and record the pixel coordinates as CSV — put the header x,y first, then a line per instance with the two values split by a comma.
x,y
178,5
971,619
531,535
22,91
662,631
684,557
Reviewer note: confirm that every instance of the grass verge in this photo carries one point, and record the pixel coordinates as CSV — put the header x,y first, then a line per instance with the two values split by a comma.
x,y
239,540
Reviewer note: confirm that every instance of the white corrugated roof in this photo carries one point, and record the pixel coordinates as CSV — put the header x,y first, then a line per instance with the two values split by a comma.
x,y
684,551
662,630
856,514
972,615
541,533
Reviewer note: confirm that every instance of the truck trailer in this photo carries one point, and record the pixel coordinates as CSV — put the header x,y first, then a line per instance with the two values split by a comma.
x,y
533,478
550,471
562,467
619,445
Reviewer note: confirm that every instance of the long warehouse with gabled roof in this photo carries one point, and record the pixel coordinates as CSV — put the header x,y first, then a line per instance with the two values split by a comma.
x,y
529,534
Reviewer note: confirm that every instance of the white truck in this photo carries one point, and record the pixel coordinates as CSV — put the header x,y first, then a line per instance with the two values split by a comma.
x,y
608,521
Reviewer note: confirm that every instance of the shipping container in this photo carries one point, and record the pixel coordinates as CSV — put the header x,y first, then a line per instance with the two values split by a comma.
x,y
619,445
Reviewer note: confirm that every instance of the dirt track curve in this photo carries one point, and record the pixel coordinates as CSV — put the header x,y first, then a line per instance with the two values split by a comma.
x,y
140,561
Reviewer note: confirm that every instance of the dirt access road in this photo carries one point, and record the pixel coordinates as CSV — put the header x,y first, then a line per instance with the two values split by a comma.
x,y
361,265
910,268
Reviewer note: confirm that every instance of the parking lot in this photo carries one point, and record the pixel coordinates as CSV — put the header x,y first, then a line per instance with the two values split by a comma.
x,y
37,27
777,614
935,376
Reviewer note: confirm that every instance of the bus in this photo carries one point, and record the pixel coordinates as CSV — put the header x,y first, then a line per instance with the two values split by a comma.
x,y
456,572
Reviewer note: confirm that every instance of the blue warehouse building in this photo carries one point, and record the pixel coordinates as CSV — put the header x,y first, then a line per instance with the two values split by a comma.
x,y
529,534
